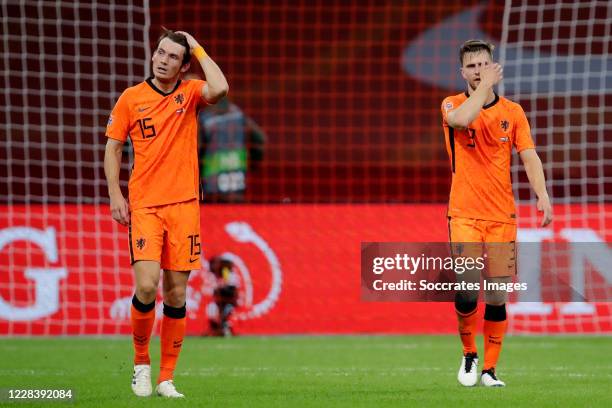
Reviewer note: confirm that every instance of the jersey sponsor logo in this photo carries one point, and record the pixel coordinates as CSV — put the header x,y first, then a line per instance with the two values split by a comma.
x,y
504,125
503,139
179,111
140,243
180,98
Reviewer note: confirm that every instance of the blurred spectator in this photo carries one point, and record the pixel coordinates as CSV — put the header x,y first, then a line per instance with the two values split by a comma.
x,y
231,144
225,297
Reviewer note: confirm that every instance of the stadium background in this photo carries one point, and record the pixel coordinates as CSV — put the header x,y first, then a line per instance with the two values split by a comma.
x,y
348,95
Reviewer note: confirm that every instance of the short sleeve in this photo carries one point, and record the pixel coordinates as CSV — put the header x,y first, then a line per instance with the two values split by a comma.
x,y
196,89
447,106
522,131
118,125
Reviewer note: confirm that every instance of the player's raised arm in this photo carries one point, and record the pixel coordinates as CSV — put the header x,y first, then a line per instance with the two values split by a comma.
x,y
112,167
216,86
535,174
488,76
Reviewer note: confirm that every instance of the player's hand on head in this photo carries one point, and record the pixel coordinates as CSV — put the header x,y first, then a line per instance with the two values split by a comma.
x,y
545,207
491,74
120,210
190,40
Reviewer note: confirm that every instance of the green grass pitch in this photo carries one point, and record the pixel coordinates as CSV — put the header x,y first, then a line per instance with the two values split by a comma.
x,y
319,371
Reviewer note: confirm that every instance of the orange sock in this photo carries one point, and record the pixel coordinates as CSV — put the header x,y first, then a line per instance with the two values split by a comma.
x,y
172,334
494,329
467,330
143,318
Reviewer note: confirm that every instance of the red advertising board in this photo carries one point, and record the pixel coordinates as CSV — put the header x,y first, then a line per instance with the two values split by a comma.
x,y
65,270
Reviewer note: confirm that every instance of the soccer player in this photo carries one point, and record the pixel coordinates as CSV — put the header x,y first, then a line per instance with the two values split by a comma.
x,y
481,128
163,215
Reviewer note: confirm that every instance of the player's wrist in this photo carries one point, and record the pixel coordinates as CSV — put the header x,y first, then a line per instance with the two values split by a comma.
x,y
198,52
543,197
485,85
115,193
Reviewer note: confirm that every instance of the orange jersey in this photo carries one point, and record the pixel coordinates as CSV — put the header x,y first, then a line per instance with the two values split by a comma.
x,y
480,158
163,131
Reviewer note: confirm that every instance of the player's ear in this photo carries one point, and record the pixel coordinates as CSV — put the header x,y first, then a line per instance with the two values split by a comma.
x,y
462,73
185,68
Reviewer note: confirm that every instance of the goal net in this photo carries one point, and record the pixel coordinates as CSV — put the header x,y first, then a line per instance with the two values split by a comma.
x,y
64,66
558,66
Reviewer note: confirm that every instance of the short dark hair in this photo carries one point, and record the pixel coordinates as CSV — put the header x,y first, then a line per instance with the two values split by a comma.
x,y
475,46
177,38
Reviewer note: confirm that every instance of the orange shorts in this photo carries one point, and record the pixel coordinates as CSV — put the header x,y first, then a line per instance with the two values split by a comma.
x,y
168,234
495,240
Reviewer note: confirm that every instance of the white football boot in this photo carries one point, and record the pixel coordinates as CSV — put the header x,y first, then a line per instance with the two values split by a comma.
x,y
468,371
141,380
167,389
488,379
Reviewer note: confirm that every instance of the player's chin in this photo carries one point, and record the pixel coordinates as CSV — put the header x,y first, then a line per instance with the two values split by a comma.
x,y
162,73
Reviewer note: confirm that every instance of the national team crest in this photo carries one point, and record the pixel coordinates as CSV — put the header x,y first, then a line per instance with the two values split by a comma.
x,y
504,125
140,243
180,98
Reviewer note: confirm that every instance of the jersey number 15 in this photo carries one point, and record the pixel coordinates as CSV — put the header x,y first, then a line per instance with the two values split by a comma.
x,y
146,129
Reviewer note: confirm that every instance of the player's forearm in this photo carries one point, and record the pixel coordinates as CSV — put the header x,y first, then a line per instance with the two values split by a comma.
x,y
465,114
217,83
112,169
535,172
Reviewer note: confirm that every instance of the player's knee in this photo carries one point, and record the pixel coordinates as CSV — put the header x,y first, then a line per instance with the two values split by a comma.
x,y
146,291
175,296
496,297
495,313
466,302
142,306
